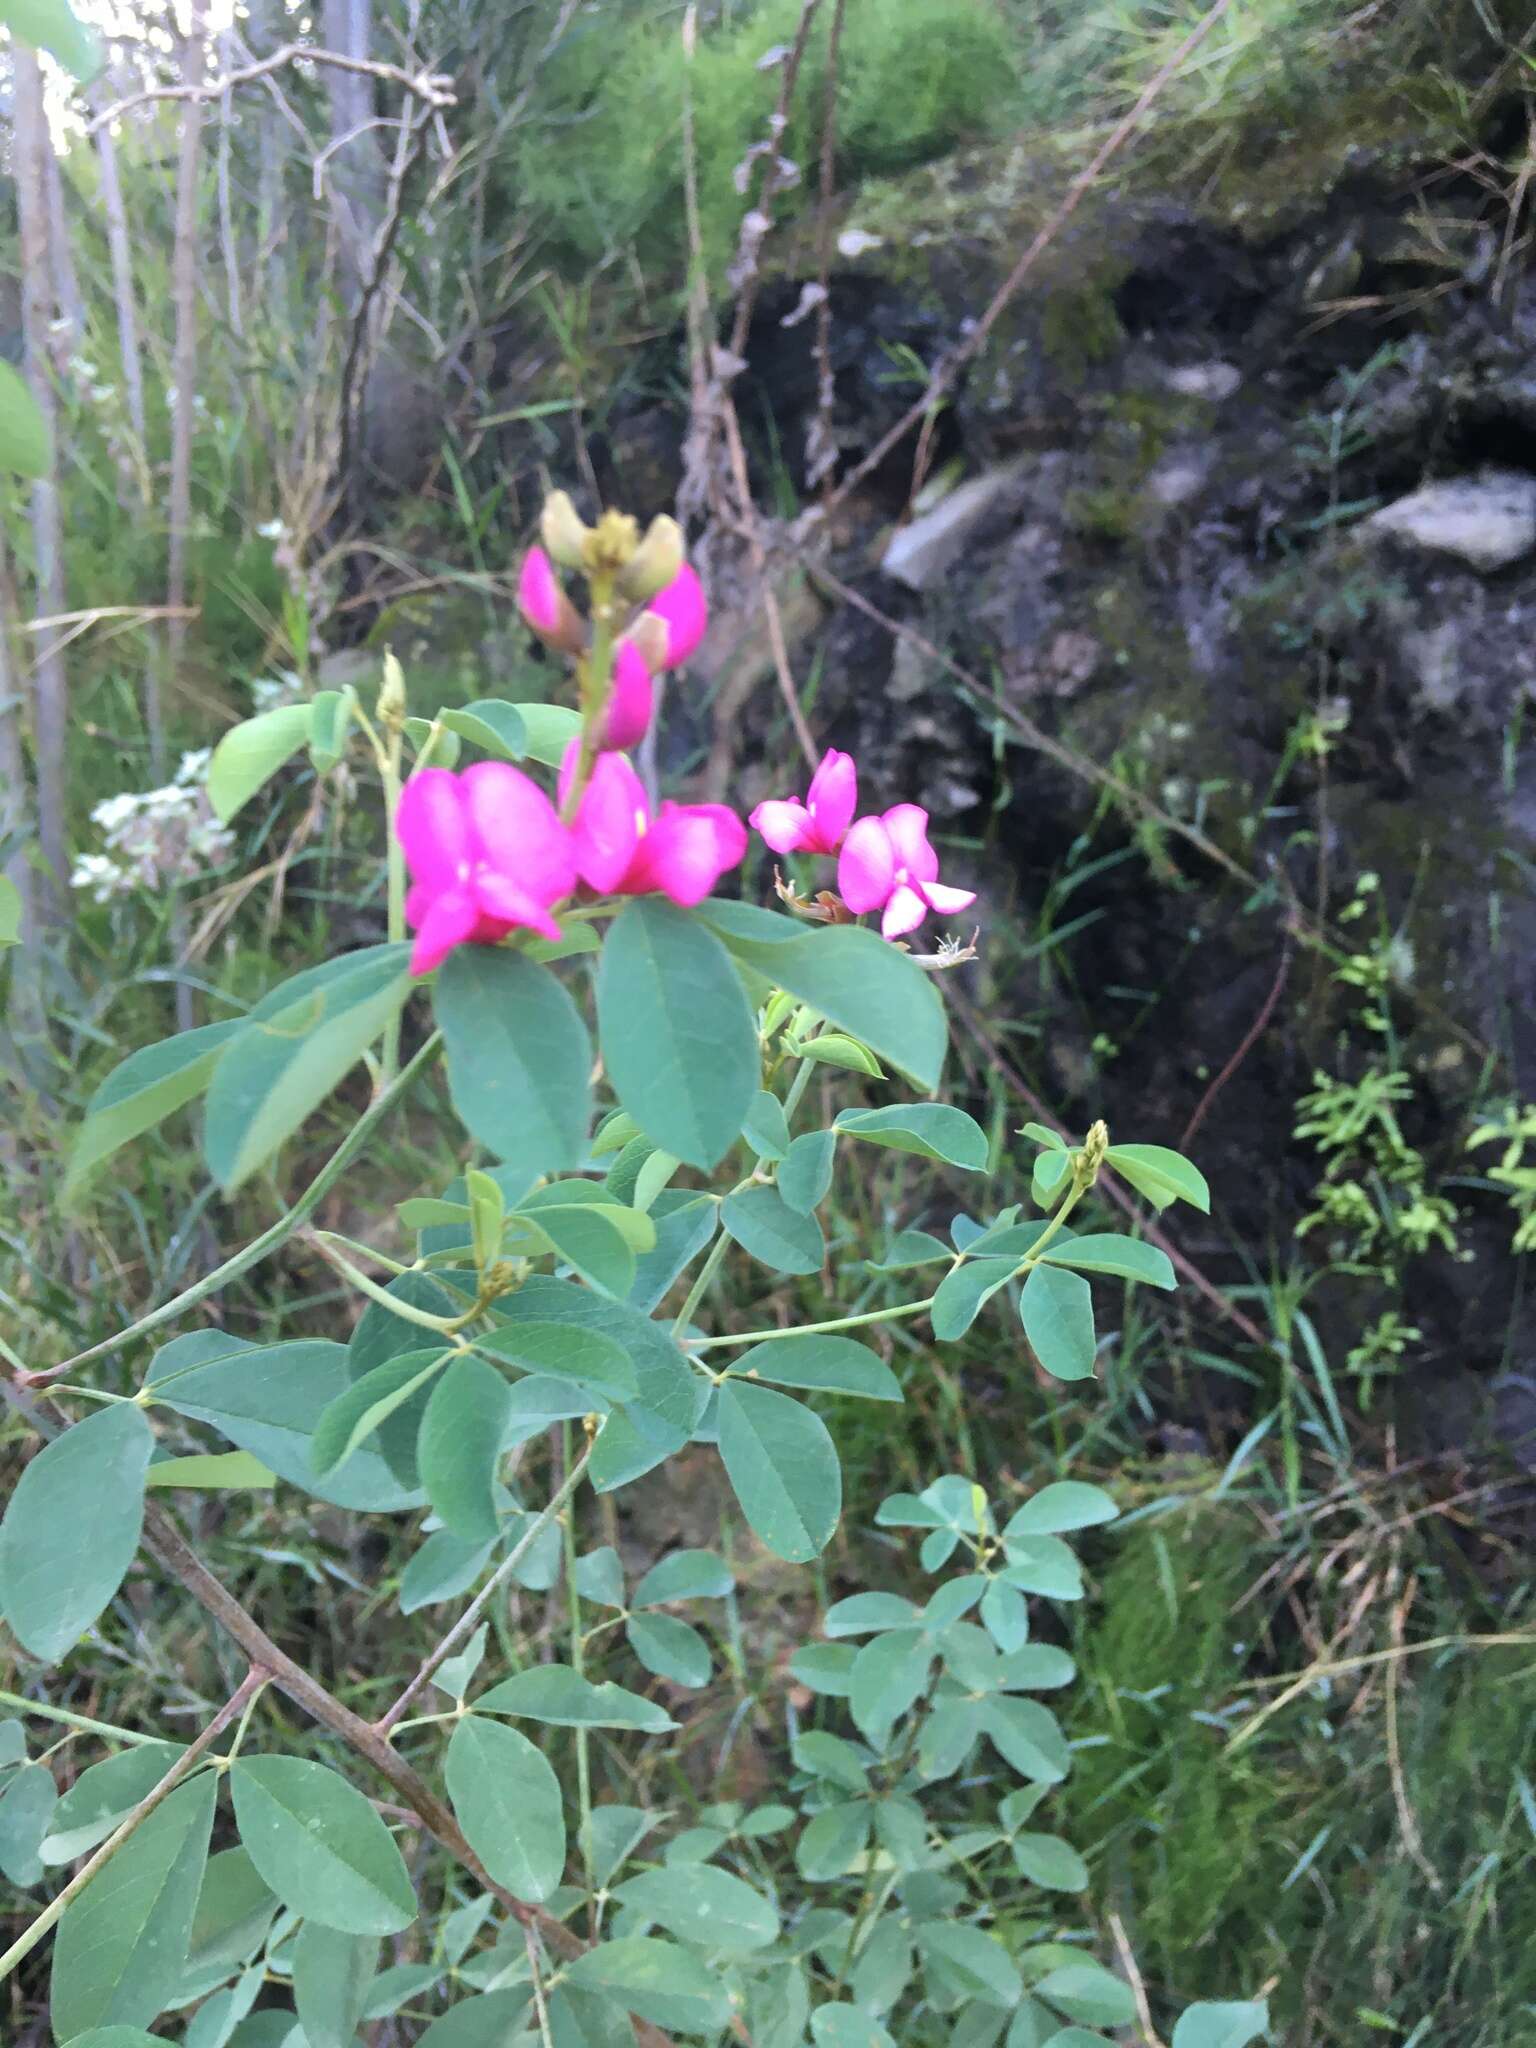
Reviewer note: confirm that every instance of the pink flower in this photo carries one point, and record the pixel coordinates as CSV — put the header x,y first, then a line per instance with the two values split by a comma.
x,y
818,824
621,850
683,611
487,853
631,699
887,864
544,604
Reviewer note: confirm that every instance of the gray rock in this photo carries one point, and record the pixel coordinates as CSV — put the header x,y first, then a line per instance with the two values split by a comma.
x,y
919,554
1486,521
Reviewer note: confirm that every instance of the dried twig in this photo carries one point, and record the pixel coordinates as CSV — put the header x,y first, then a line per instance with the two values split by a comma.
x,y
435,88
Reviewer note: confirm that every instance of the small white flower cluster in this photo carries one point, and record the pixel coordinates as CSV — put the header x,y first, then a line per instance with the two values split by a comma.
x,y
268,692
155,837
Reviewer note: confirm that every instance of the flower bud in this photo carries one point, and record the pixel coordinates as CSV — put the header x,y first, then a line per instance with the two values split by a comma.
x,y
655,562
545,605
631,699
610,545
563,532
682,609
650,634
391,704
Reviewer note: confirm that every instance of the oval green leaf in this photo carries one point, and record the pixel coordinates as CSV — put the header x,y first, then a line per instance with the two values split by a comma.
x,y
931,1130
318,1844
518,1057
1056,1309
251,753
508,1803
783,1469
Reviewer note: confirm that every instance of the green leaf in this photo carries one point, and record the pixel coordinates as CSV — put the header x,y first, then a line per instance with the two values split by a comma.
x,y
684,1575
103,1796
657,1981
677,1032
975,1962
519,1058
122,1945
72,1527
251,753
1222,2024
400,1984
462,1433
548,730
825,1365
491,724
556,1694
485,2022
1051,1863
587,1358
1161,1175
932,1130
685,1222
282,1066
850,976
805,1176
234,1911
27,1808
600,1577
456,1674
1127,1258
117,2037
1087,1991
763,1223
1043,1564
595,1240
837,1049
864,1614
765,1127
25,449
508,1803
698,1903
10,912
382,1336
1056,1309
50,25
441,1569
319,1845
669,1648
783,1469
847,2026
215,1471
1063,1505
890,1675
332,1973
962,1293
833,1841
1006,1615
269,1400
330,721
831,1758
149,1086
487,1217
1050,1178
911,1248
369,1402
1028,1736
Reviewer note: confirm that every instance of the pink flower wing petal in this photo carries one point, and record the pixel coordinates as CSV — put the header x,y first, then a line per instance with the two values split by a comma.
x,y
509,905
683,610
833,794
517,831
607,831
433,829
904,913
866,867
450,921
688,849
946,901
908,827
784,822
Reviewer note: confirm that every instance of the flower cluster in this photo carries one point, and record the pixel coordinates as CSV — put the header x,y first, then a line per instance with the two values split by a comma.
x,y
155,837
488,851
884,863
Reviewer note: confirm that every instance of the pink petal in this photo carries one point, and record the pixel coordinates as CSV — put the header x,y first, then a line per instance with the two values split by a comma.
x,y
904,913
946,901
431,826
833,794
682,609
866,868
607,829
908,827
539,596
509,905
687,850
632,699
450,920
785,823
517,831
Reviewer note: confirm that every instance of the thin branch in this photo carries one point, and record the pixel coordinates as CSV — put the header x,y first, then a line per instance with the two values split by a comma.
x,y
434,87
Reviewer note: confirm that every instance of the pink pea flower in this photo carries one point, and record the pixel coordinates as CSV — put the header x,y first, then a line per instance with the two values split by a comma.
x,y
682,610
631,700
621,850
887,864
487,854
544,604
818,824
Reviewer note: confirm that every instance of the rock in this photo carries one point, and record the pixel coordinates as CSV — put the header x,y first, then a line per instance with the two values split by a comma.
x,y
920,554
1486,521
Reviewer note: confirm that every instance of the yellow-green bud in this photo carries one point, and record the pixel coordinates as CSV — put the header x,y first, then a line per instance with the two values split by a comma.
x,y
564,533
1095,1145
610,545
655,562
392,698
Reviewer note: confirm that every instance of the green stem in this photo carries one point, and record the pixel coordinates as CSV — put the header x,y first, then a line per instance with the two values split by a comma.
x,y
390,1719
54,1911
706,1273
81,1721
874,1315
583,1754
797,1088
356,1277
279,1232
390,766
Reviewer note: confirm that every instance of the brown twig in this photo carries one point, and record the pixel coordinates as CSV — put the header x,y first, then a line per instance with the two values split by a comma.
x,y
435,88
948,368
1133,1977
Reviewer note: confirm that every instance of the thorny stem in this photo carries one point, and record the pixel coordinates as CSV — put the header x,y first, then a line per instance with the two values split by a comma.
x,y
53,1912
278,1233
